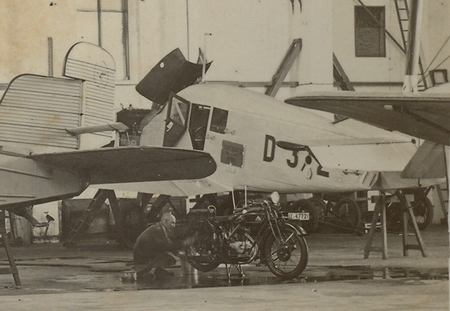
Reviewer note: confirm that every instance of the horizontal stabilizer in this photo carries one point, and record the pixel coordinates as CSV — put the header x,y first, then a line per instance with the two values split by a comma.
x,y
118,126
427,162
132,164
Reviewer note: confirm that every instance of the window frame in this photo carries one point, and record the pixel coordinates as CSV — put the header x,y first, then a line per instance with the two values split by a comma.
x,y
381,42
172,140
214,126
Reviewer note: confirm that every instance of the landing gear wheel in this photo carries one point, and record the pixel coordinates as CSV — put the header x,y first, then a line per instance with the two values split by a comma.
x,y
320,207
424,212
394,216
286,259
347,211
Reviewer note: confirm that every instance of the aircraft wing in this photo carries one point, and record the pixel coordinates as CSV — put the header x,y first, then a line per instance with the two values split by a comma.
x,y
420,115
131,164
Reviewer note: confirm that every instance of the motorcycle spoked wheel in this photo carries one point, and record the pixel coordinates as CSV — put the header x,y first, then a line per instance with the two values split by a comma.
x,y
191,256
286,260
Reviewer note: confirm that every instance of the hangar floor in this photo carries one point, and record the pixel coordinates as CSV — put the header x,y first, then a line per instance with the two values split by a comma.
x,y
93,274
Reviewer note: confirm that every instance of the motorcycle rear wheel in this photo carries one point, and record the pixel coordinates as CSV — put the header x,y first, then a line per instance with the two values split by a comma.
x,y
286,260
202,266
193,257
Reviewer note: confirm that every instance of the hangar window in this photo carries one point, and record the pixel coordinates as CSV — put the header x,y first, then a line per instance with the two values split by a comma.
x,y
105,22
370,38
219,120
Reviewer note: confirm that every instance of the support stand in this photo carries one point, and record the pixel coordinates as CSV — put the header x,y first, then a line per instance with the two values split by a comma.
x,y
238,268
12,264
408,213
380,210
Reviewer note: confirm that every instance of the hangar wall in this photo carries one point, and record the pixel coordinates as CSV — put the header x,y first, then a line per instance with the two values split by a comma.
x,y
246,39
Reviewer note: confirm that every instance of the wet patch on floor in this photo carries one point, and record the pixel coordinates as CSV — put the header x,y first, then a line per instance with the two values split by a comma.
x,y
76,279
313,274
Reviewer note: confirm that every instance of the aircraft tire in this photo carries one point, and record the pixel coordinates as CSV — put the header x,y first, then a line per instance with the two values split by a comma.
x,y
348,211
424,212
320,207
394,216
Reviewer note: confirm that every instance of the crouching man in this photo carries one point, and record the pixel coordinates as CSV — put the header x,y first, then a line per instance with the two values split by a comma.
x,y
154,249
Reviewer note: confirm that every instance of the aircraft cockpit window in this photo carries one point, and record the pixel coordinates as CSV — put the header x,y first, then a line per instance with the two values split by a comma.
x,y
219,120
198,125
176,121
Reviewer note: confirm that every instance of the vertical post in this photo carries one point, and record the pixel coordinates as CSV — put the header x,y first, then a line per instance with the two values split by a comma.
x,y
99,20
413,49
50,56
383,228
405,230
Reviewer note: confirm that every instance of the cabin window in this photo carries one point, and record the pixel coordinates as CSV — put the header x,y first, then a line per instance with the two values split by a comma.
x,y
176,121
370,38
198,125
219,120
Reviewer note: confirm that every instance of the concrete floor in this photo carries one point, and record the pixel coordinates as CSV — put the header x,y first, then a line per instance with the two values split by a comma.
x,y
90,276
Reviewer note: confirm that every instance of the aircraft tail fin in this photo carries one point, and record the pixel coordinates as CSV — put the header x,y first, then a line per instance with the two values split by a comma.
x,y
36,110
427,162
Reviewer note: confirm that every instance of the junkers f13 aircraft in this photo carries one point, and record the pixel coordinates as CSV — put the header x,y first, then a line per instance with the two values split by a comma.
x,y
199,139
261,144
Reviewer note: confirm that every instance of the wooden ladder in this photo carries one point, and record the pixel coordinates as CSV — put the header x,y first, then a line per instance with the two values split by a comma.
x,y
5,240
90,213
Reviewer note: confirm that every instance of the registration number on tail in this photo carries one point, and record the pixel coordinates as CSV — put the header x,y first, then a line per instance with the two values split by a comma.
x,y
298,216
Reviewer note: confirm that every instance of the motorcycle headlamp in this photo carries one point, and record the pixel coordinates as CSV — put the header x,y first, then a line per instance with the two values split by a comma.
x,y
275,197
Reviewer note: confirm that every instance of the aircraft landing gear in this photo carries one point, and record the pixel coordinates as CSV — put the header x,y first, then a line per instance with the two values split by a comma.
x,y
422,208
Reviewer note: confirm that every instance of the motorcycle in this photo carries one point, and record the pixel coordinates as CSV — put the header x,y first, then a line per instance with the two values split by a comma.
x,y
256,233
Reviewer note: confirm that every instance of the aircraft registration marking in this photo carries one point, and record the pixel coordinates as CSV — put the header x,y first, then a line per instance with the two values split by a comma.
x,y
269,155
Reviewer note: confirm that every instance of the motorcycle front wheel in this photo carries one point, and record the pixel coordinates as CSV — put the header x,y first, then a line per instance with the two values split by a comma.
x,y
287,255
